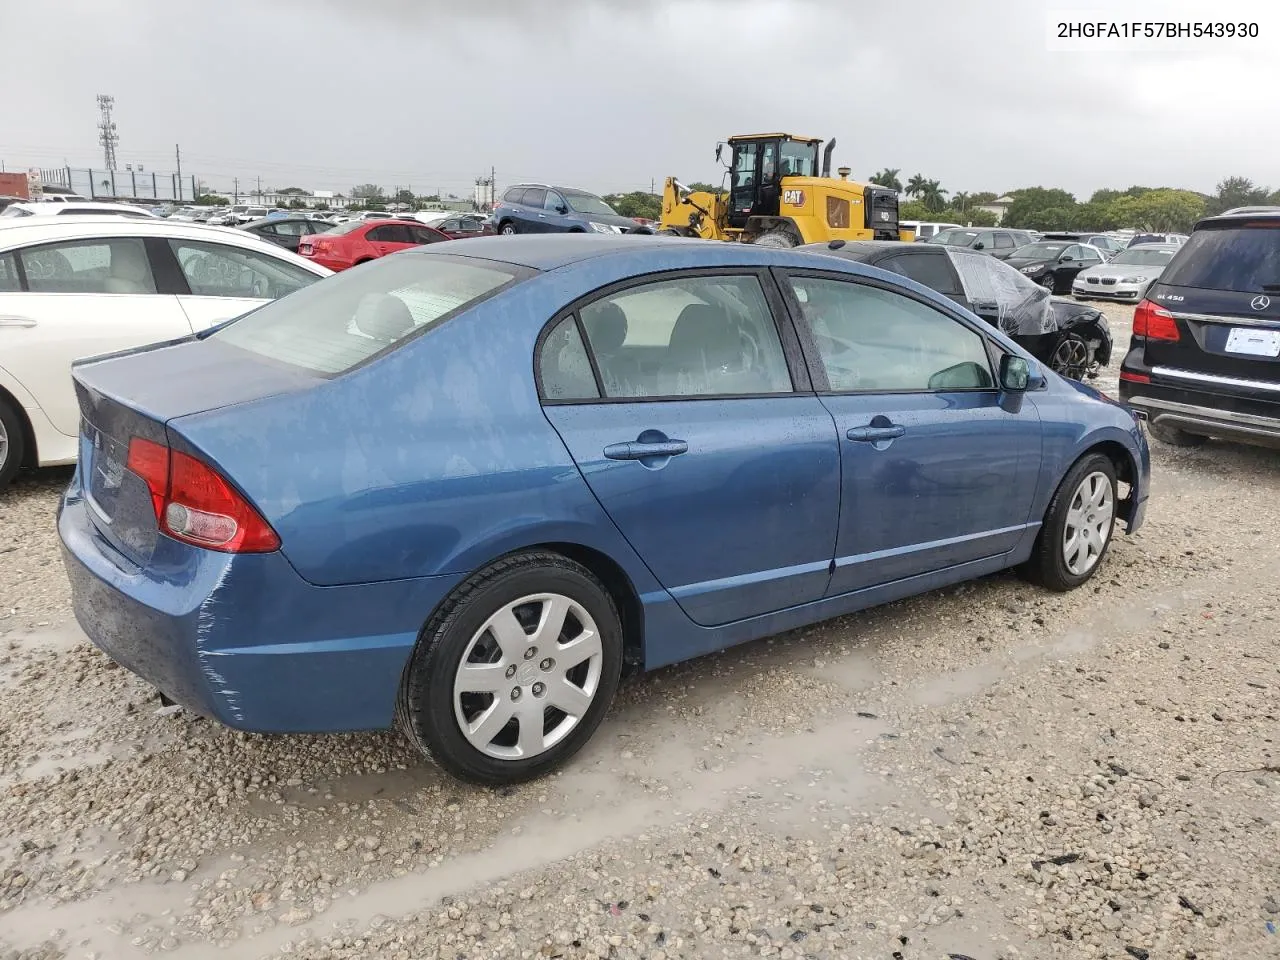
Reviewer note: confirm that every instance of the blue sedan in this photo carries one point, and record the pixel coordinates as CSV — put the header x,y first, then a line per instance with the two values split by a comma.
x,y
465,488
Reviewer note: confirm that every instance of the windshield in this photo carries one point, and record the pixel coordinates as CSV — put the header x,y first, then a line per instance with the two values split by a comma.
x,y
588,203
1040,251
1144,258
955,238
1240,258
239,209
799,159
360,313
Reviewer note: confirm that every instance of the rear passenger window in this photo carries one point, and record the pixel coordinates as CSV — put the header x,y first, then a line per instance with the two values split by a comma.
x,y
933,271
89,266
692,337
563,365
535,197
9,274
872,340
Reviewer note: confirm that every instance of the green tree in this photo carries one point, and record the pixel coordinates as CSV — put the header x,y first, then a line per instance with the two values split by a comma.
x,y
915,186
983,196
961,200
211,200
637,203
367,191
1041,208
699,187
296,204
970,217
294,192
1163,210
888,177
914,210
405,196
933,196
1236,192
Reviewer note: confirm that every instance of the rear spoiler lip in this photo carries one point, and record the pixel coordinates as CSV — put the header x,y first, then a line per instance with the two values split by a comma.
x,y
131,351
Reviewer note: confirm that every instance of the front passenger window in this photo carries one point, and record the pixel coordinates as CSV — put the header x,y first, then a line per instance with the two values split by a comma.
x,y
874,340
218,270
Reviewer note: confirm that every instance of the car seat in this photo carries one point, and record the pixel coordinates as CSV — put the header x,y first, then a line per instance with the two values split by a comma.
x,y
129,271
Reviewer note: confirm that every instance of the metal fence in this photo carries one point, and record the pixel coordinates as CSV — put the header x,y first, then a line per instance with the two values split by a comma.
x,y
122,184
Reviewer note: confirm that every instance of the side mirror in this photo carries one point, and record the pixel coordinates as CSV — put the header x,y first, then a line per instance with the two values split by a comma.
x,y
562,209
1015,373
719,151
978,245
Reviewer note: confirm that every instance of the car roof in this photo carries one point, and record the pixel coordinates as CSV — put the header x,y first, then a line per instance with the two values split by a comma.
x,y
1233,216
58,207
866,249
31,230
553,251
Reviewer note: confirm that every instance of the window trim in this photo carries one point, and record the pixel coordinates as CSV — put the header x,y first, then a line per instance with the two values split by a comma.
x,y
813,356
792,349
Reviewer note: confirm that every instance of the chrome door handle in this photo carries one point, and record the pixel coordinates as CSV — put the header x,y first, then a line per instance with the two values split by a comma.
x,y
636,450
14,321
875,434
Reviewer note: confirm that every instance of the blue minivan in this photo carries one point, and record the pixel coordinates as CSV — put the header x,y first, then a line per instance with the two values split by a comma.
x,y
539,208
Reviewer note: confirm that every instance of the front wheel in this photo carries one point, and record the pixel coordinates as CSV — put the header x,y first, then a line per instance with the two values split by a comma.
x,y
1077,527
515,671
11,444
775,238
508,229
1072,357
1047,282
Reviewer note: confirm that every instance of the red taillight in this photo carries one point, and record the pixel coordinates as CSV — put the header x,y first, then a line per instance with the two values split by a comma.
x,y
1154,322
194,504
1134,377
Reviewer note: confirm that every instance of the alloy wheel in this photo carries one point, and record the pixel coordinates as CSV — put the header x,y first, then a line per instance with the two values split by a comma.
x,y
1071,358
4,445
1089,523
528,676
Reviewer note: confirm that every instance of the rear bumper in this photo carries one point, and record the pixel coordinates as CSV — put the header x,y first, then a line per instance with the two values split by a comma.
x,y
243,639
1222,415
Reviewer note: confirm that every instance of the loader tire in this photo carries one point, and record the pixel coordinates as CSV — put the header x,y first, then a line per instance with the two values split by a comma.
x,y
781,239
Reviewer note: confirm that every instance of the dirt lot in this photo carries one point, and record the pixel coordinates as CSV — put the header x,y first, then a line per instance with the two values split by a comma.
x,y
990,771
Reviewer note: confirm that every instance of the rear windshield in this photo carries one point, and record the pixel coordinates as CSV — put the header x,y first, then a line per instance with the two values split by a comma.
x,y
1145,256
331,326
1240,258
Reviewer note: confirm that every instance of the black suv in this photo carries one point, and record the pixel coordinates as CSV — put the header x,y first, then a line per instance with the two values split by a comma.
x,y
1205,356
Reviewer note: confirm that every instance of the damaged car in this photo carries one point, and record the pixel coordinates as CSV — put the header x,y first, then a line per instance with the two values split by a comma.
x,y
1072,339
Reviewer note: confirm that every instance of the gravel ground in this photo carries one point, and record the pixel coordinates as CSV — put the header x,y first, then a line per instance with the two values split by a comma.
x,y
990,771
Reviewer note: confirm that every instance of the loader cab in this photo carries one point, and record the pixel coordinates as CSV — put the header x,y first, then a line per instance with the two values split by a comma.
x,y
756,170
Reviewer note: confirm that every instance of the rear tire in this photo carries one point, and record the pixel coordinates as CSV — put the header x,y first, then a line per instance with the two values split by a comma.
x,y
465,637
1175,437
780,239
507,228
1078,526
12,443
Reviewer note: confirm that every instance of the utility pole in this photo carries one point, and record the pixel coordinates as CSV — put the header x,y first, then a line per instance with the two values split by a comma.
x,y
107,135
177,153
235,185
259,189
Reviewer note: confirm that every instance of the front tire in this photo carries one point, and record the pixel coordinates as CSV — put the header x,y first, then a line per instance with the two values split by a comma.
x,y
485,708
1077,528
12,443
1072,357
779,239
1048,282
507,229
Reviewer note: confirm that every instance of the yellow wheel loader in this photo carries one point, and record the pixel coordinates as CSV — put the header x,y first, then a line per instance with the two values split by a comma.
x,y
776,198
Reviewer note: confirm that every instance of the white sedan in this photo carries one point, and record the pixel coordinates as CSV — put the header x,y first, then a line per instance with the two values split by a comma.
x,y
82,286
65,208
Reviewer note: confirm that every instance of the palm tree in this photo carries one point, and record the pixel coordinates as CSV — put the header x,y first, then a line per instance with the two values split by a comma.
x,y
934,197
888,177
915,186
960,201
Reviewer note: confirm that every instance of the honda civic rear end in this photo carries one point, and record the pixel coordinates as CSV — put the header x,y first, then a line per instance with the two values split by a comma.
x,y
1204,360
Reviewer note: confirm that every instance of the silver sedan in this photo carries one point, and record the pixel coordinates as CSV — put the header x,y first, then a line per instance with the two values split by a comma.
x,y
1126,276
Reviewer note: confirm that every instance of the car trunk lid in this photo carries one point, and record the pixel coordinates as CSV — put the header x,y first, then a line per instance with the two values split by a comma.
x,y
135,394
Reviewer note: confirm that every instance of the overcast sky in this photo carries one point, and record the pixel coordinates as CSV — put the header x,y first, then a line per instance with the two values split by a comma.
x,y
607,94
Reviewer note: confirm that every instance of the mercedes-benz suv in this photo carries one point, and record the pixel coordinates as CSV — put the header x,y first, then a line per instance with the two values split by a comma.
x,y
1204,360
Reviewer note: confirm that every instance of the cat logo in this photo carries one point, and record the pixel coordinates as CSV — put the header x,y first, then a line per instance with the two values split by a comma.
x,y
794,198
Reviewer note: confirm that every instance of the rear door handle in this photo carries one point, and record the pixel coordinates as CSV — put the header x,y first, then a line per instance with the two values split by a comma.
x,y
875,434
635,450
15,321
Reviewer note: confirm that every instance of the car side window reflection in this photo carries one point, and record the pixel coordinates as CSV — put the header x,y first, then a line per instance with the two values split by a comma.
x,y
873,340
563,365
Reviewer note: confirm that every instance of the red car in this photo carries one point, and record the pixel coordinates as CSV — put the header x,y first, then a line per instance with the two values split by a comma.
x,y
356,241
466,225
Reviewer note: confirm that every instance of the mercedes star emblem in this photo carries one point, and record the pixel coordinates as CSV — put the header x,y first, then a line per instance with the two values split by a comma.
x,y
1260,303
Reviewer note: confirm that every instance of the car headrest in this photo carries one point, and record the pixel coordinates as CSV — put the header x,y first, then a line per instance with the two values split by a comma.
x,y
606,326
387,318
128,262
704,332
